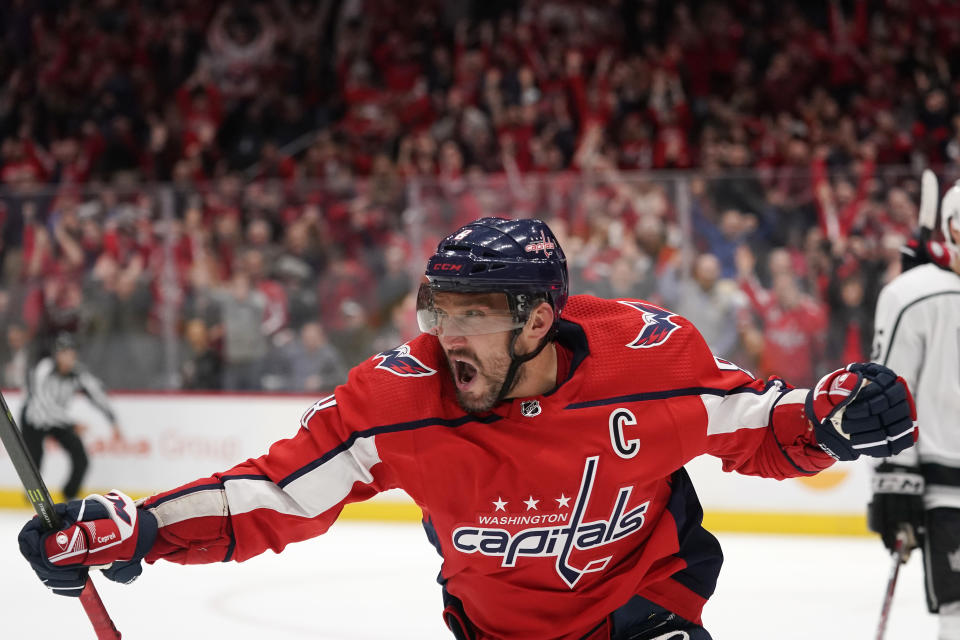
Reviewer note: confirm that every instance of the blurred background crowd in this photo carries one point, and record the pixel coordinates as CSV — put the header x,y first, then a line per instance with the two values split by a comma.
x,y
241,195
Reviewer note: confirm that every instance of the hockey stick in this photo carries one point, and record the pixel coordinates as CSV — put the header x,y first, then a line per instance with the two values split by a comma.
x,y
899,555
43,505
929,199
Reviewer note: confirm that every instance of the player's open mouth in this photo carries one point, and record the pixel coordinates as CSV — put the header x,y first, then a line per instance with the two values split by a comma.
x,y
464,373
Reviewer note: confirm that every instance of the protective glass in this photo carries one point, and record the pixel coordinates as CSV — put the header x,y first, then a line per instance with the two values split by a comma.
x,y
465,320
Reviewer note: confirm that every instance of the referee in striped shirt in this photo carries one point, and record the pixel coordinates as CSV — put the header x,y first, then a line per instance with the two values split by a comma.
x,y
50,387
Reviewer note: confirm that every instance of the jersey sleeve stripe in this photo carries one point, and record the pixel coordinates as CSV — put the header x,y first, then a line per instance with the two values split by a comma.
x,y
942,474
188,490
740,410
228,556
938,495
793,396
195,502
244,476
385,429
310,494
307,496
649,395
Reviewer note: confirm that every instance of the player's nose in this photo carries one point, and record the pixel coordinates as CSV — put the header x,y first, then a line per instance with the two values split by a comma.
x,y
448,341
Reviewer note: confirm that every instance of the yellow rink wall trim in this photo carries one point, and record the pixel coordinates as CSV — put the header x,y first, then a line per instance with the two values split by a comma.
x,y
720,521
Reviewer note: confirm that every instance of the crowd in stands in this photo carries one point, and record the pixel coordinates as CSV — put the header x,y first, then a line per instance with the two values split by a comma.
x,y
240,195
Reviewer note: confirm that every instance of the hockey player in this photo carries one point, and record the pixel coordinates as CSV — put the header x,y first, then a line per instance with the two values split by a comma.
x,y
543,438
916,494
52,383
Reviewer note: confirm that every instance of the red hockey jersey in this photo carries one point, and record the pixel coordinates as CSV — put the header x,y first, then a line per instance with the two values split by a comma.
x,y
550,512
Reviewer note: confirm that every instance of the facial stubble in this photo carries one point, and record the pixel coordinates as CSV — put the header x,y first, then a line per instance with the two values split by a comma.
x,y
493,374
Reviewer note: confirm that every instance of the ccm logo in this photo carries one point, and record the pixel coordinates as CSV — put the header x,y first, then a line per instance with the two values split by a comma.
x,y
447,266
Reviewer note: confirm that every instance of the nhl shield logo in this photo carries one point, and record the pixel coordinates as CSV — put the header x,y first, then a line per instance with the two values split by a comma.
x,y
530,408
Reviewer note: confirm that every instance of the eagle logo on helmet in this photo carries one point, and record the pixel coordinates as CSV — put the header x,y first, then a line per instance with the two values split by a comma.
x,y
657,325
399,362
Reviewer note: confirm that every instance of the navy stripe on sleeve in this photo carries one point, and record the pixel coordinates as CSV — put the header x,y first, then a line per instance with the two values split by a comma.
x,y
389,428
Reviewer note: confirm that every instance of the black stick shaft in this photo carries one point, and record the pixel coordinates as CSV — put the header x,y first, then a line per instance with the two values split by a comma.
x,y
29,476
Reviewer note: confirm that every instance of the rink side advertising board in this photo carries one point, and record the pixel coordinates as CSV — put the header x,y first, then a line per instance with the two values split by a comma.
x,y
173,438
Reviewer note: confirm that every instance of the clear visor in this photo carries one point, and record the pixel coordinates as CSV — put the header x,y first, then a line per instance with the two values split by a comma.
x,y
463,318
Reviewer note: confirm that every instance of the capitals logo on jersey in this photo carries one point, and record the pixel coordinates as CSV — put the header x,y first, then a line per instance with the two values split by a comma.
x,y
657,325
399,362
572,534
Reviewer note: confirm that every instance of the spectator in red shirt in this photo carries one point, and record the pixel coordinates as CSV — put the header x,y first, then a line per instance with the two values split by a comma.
x,y
793,324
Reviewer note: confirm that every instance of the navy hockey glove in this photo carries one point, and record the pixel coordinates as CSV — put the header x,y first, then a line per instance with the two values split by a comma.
x,y
105,532
897,505
862,409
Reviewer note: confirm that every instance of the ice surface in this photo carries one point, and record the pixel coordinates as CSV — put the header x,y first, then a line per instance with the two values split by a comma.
x,y
376,581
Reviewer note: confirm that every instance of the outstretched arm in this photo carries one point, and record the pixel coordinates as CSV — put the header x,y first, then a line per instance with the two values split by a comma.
x,y
294,492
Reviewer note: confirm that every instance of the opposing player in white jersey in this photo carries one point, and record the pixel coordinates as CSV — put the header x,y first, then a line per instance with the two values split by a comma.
x,y
916,494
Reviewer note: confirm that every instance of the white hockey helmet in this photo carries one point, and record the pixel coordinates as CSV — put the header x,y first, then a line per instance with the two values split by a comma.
x,y
950,215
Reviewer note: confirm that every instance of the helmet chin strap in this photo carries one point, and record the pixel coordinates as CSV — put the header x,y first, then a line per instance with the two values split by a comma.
x,y
516,361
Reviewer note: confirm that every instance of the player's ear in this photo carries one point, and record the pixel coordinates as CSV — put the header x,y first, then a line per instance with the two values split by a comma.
x,y
540,321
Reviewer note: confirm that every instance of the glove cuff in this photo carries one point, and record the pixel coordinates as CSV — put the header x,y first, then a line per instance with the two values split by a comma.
x,y
825,405
127,571
902,481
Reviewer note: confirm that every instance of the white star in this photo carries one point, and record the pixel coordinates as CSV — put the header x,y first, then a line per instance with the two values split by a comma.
x,y
531,504
500,504
562,501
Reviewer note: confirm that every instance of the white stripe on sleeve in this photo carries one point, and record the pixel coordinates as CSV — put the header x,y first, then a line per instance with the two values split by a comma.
x,y
744,410
198,504
308,496
312,493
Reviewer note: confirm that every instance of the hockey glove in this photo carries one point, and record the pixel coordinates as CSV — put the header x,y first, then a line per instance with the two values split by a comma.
x,y
862,409
897,505
105,532
917,252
